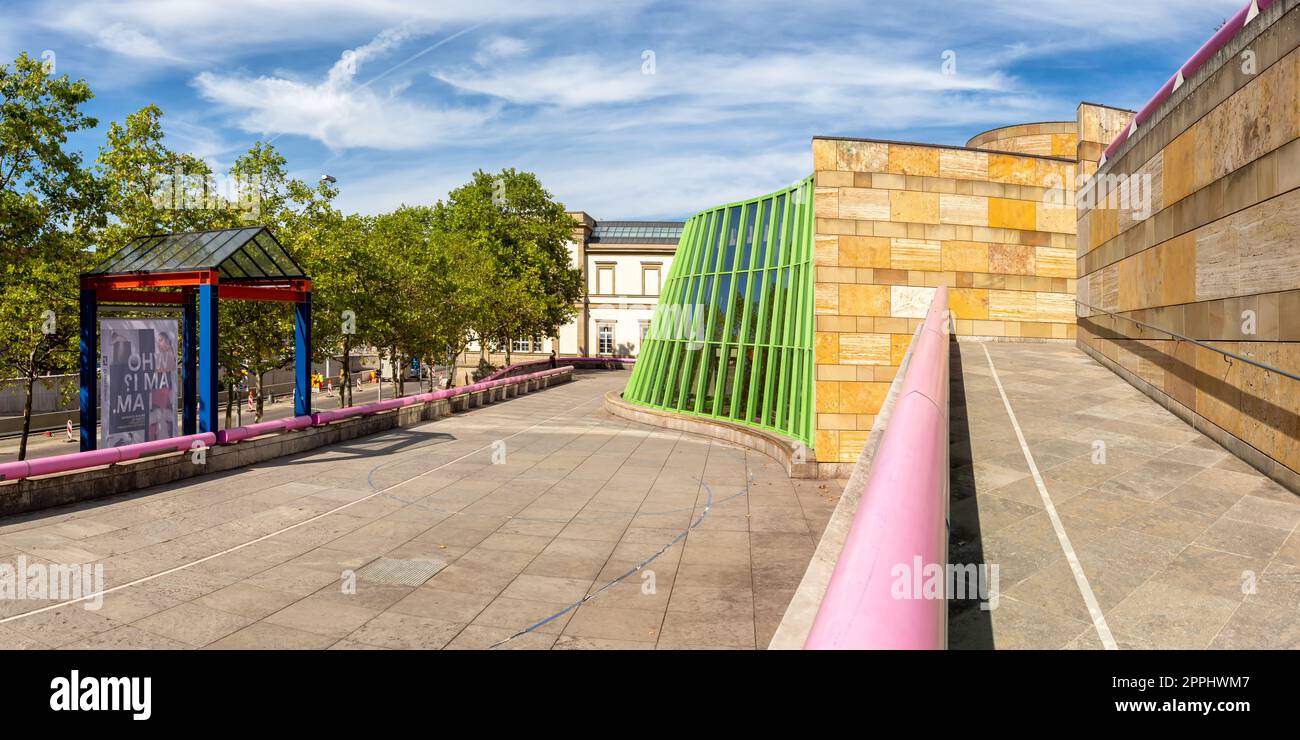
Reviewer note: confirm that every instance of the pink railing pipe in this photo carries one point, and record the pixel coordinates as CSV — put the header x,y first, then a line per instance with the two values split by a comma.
x,y
560,362
1211,47
96,458
902,518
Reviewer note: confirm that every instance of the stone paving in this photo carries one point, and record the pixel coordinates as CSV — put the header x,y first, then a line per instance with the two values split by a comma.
x,y
527,506
1184,546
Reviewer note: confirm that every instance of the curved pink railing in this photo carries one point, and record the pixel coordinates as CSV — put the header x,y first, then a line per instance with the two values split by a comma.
x,y
1219,40
97,458
561,362
901,519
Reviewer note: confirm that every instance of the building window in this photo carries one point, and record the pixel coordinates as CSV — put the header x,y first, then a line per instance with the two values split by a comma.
x,y
645,331
604,278
526,345
605,332
650,278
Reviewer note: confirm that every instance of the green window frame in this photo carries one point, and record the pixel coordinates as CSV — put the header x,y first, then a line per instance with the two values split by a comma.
x,y
732,334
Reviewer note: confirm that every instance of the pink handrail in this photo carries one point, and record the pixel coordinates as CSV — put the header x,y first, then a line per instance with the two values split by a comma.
x,y
1219,40
560,362
97,458
901,519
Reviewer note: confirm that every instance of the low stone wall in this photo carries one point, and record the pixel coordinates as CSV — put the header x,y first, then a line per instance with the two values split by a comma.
x,y
32,494
798,460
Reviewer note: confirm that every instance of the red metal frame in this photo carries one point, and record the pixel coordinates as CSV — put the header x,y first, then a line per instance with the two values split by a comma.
x,y
133,288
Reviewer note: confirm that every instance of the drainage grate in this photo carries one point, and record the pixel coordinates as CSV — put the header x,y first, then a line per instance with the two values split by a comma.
x,y
395,572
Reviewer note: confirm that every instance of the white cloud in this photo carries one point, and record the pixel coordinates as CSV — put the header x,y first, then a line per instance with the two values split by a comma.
x,y
203,31
812,77
122,39
500,47
338,112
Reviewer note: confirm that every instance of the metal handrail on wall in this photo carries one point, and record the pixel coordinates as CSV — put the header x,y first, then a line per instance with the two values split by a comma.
x,y
1197,342
902,519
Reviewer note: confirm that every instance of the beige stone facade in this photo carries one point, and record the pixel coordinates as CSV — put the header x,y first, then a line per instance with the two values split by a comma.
x,y
896,220
1217,255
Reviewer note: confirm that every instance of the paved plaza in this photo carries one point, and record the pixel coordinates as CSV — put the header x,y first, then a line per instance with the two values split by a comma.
x,y
486,528
472,531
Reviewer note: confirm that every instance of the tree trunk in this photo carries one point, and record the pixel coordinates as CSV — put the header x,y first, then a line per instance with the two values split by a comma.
x,y
258,418
27,417
451,370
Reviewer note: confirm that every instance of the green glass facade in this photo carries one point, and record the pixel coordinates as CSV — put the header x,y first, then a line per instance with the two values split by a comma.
x,y
732,336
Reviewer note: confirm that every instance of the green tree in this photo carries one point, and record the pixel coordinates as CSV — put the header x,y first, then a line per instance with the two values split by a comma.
x,y
48,203
511,218
152,189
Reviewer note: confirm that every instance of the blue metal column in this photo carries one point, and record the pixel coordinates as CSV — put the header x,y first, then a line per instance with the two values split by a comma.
x,y
302,357
89,365
208,386
189,365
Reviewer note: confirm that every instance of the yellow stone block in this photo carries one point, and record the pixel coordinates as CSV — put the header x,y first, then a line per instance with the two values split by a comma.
x,y
898,344
862,398
825,154
913,207
827,397
1013,305
1062,219
864,203
1007,213
862,156
864,349
826,348
851,444
864,251
864,300
968,210
1064,145
1179,167
1054,262
1011,259
968,303
961,256
963,165
826,443
914,160
1013,170
914,254
826,298
826,250
1055,307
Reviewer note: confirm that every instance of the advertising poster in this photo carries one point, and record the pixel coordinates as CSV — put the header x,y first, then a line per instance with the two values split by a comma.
x,y
138,392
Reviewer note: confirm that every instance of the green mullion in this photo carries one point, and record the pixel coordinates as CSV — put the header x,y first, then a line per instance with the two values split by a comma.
x,y
647,384
670,303
684,381
761,217
681,355
777,318
807,396
707,356
761,354
790,322
725,348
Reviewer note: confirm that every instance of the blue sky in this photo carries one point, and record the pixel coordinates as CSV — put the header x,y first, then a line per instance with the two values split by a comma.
x,y
401,101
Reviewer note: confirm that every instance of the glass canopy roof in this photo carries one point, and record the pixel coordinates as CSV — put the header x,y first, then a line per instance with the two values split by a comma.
x,y
251,253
